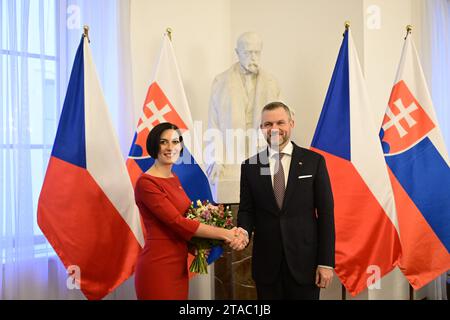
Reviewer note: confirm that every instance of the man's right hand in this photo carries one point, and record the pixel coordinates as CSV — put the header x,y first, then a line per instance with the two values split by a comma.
x,y
240,240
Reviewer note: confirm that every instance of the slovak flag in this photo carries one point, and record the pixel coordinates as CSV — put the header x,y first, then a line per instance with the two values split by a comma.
x,y
419,172
86,207
166,102
367,241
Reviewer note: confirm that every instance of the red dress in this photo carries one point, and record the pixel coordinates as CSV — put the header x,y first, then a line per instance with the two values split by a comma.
x,y
161,270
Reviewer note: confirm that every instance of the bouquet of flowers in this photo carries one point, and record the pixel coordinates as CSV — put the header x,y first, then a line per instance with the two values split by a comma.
x,y
217,216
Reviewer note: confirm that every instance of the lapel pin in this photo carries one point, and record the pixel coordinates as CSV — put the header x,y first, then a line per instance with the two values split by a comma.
x,y
300,163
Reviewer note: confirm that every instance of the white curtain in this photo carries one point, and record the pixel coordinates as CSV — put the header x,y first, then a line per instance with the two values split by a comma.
x,y
435,43
38,40
438,33
434,46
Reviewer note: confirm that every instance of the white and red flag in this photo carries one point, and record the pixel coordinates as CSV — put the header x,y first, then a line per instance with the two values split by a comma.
x,y
419,172
367,239
86,207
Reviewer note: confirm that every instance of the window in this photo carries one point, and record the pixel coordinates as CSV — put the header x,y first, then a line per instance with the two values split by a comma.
x,y
29,96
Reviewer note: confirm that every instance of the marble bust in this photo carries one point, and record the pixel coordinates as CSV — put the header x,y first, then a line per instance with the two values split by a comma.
x,y
237,98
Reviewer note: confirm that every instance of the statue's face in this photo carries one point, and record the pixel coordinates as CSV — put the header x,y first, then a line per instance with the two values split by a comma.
x,y
249,54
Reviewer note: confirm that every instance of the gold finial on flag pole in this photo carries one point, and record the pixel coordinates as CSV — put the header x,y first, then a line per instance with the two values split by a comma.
x,y
86,32
347,27
169,33
408,30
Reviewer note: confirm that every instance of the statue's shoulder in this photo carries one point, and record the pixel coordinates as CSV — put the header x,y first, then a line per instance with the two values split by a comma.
x,y
267,76
223,80
224,76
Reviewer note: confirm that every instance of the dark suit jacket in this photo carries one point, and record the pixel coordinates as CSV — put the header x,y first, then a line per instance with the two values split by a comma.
x,y
302,231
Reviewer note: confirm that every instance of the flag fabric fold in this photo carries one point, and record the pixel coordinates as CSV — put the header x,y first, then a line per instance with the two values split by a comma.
x,y
367,240
86,207
419,171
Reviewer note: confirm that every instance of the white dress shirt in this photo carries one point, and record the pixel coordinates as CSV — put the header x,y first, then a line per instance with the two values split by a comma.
x,y
285,161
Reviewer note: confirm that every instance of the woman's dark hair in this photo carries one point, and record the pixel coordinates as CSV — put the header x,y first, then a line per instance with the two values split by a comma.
x,y
154,137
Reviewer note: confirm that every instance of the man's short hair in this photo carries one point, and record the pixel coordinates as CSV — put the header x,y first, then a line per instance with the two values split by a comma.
x,y
275,105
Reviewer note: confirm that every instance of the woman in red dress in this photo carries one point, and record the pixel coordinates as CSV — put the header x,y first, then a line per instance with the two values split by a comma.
x,y
161,269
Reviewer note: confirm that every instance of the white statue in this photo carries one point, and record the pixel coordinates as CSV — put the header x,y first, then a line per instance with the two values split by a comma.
x,y
237,98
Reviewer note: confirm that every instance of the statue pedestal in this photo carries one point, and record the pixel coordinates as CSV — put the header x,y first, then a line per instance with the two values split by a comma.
x,y
233,272
226,191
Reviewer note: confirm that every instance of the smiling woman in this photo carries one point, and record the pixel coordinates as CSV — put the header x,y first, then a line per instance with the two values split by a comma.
x,y
165,141
161,271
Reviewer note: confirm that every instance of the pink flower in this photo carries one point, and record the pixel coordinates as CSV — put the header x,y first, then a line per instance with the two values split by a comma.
x,y
206,215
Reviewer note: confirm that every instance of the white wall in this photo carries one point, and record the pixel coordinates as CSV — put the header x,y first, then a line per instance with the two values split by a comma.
x,y
301,43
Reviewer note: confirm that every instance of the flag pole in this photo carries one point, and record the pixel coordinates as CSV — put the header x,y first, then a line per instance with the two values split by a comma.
x,y
169,33
411,292
86,32
408,30
343,289
411,289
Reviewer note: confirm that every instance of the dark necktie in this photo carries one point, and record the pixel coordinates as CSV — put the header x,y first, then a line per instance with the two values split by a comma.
x,y
278,180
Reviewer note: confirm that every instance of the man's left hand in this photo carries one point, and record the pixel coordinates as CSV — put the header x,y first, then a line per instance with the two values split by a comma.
x,y
324,277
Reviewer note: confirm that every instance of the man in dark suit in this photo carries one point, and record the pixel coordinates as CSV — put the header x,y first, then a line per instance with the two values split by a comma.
x,y
286,201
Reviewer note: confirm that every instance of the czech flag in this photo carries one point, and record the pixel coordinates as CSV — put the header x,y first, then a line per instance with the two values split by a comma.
x,y
419,172
86,207
367,241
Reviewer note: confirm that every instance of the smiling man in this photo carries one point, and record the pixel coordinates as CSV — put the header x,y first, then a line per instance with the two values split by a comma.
x,y
286,201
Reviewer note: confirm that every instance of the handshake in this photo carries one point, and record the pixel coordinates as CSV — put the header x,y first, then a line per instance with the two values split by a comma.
x,y
239,239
